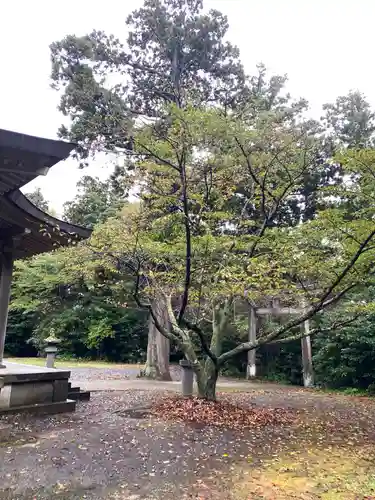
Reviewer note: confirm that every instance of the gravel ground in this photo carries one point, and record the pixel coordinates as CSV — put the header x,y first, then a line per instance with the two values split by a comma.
x,y
89,374
100,453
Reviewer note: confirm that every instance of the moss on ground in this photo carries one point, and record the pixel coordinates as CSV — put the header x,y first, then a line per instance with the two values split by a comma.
x,y
340,473
72,363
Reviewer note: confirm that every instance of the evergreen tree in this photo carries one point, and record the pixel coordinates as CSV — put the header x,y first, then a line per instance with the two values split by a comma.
x,y
95,202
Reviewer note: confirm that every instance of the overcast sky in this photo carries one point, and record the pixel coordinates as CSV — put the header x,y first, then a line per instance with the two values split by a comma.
x,y
325,46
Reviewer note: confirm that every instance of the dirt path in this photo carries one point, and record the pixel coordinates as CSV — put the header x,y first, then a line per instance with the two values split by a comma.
x,y
123,379
128,372
142,384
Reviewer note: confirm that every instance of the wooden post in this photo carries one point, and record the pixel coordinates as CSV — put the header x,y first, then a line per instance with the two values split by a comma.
x,y
307,366
251,355
5,284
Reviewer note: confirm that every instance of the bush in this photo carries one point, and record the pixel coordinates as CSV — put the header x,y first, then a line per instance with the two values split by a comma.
x,y
347,357
19,332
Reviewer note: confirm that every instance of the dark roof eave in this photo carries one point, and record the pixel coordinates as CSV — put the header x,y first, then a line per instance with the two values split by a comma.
x,y
20,200
32,144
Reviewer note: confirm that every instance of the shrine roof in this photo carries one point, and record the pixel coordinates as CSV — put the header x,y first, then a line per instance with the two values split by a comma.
x,y
22,159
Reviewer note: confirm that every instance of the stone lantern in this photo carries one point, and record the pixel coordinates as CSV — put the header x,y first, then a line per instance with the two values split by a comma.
x,y
52,343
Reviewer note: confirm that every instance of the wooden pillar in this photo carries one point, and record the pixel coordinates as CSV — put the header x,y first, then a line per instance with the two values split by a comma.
x,y
251,355
5,284
307,366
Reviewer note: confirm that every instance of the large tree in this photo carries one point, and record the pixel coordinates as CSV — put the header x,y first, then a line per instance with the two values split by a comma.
x,y
191,244
174,53
350,121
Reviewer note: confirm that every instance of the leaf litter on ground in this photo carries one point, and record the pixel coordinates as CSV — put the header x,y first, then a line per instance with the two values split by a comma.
x,y
220,413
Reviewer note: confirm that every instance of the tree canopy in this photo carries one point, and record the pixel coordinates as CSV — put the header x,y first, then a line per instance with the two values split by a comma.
x,y
241,199
95,202
191,244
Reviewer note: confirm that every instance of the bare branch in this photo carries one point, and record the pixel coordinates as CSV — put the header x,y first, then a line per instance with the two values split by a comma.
x,y
345,271
314,331
185,295
251,171
323,303
159,158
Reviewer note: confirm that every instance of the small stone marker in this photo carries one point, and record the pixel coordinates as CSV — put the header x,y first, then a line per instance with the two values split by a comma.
x,y
187,378
52,342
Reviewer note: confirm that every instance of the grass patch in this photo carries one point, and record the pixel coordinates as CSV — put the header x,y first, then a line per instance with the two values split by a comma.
x,y
346,391
72,363
333,473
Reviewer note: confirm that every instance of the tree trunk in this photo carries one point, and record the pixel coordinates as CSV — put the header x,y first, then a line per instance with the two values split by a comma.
x,y
207,380
150,370
251,355
162,353
207,377
158,348
307,364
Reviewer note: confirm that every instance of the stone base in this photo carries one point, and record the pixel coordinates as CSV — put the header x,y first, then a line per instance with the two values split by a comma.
x,y
34,388
80,395
42,409
77,394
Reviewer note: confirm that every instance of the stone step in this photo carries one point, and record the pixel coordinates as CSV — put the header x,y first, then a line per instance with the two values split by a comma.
x,y
79,395
73,389
42,408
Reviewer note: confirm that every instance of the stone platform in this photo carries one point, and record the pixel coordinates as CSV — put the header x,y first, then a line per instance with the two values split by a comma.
x,y
28,388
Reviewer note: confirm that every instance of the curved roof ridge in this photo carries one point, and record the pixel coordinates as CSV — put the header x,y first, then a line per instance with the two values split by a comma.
x,y
19,199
